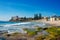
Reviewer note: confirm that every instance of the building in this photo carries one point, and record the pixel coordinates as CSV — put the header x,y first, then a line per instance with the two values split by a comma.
x,y
15,18
52,18
21,19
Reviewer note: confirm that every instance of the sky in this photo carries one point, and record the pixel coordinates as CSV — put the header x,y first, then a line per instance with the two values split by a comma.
x,y
28,8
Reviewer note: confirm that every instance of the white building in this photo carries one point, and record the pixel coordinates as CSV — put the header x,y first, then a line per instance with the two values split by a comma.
x,y
52,18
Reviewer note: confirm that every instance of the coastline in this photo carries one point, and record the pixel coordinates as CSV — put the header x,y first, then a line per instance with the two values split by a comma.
x,y
53,23
31,34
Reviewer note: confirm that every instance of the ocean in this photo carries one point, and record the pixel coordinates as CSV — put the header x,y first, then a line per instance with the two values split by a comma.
x,y
12,27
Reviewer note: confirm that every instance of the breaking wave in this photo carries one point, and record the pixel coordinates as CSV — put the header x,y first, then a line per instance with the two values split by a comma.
x,y
12,27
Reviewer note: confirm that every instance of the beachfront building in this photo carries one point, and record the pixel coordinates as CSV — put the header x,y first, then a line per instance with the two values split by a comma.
x,y
21,19
14,18
52,18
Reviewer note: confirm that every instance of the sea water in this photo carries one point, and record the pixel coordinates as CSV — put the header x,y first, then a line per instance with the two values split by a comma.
x,y
12,27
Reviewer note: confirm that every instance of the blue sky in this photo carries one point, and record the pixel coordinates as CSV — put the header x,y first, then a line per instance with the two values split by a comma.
x,y
21,8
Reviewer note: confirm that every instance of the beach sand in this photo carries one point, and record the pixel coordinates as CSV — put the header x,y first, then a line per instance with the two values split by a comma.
x,y
53,23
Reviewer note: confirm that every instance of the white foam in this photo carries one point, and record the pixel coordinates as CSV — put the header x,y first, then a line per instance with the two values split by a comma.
x,y
12,28
7,25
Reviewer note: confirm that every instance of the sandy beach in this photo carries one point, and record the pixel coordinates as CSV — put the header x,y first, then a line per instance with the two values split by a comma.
x,y
53,23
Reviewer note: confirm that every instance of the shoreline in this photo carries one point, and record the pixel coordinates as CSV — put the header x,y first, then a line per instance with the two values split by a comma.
x,y
53,23
34,35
